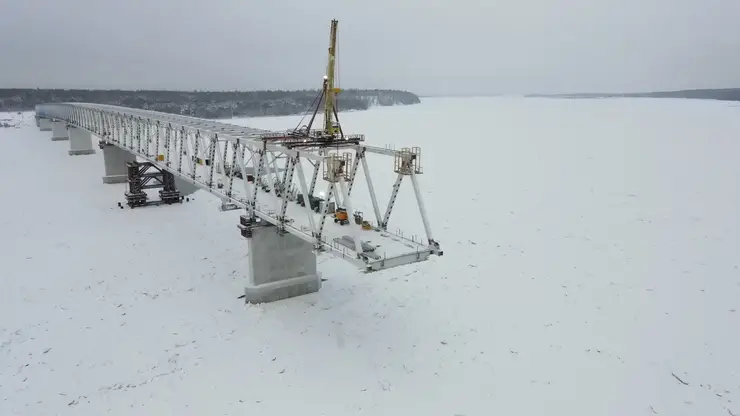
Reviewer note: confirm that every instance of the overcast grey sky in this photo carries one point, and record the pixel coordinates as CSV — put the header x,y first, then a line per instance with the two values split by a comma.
x,y
425,46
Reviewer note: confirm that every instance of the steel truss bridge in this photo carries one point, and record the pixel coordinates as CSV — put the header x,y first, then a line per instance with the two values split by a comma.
x,y
268,173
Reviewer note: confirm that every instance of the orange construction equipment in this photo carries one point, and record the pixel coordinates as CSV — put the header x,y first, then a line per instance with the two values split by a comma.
x,y
340,216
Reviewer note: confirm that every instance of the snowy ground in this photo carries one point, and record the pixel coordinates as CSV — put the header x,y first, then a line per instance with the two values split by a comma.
x,y
591,268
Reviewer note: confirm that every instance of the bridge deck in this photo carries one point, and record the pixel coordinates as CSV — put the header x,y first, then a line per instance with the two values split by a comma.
x,y
390,249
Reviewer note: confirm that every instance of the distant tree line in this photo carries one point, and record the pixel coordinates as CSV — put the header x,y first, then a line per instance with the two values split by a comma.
x,y
726,94
206,104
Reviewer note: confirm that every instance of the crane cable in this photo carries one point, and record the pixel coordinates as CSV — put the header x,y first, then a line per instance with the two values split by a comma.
x,y
310,107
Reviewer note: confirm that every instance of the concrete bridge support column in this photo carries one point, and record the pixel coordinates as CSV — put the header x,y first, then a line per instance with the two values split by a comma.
x,y
59,130
281,266
44,124
80,142
115,160
186,188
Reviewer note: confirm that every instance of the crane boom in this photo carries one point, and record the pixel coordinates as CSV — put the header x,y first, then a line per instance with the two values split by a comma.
x,y
331,125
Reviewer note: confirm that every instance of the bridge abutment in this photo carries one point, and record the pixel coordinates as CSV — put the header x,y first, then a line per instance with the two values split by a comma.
x,y
115,160
80,142
59,130
281,265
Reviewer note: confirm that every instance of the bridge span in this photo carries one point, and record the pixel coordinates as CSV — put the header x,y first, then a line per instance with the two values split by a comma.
x,y
272,175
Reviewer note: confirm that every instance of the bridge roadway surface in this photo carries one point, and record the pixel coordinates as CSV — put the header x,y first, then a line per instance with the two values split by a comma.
x,y
107,122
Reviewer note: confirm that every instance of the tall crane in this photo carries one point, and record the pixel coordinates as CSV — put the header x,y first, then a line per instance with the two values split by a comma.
x,y
331,119
331,129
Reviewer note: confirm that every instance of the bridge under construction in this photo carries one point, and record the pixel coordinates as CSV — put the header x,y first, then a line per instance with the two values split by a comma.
x,y
272,175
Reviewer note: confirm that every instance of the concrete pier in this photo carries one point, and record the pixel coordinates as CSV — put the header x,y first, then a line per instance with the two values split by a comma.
x,y
44,124
115,160
59,130
186,188
281,266
80,142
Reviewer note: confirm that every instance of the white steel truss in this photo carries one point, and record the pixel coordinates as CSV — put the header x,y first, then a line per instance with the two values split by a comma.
x,y
209,154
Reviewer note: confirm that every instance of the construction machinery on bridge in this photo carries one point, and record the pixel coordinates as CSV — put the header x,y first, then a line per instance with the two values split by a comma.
x,y
264,173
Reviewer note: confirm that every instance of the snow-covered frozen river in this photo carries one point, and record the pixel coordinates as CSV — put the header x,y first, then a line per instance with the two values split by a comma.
x,y
591,267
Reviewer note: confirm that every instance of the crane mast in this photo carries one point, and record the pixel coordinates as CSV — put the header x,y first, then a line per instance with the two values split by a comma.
x,y
331,121
331,133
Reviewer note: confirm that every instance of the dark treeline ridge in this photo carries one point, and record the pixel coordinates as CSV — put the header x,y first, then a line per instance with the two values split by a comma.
x,y
726,94
206,104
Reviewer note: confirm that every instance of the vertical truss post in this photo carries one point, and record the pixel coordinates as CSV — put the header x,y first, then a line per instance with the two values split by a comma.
x,y
115,136
274,178
394,195
138,135
168,144
156,142
288,179
306,197
195,157
125,131
211,157
181,148
119,129
315,177
257,175
325,211
116,129
355,164
234,152
108,126
221,158
224,158
371,188
148,126
350,214
270,183
283,180
242,166
251,157
422,209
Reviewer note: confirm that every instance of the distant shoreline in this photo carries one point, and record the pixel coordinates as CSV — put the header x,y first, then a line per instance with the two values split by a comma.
x,y
207,104
723,94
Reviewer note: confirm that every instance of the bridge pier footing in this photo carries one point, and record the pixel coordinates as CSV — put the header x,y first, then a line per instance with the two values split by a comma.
x,y
281,265
59,130
115,160
44,124
80,142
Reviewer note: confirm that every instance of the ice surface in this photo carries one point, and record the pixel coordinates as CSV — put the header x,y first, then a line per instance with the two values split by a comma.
x,y
591,254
